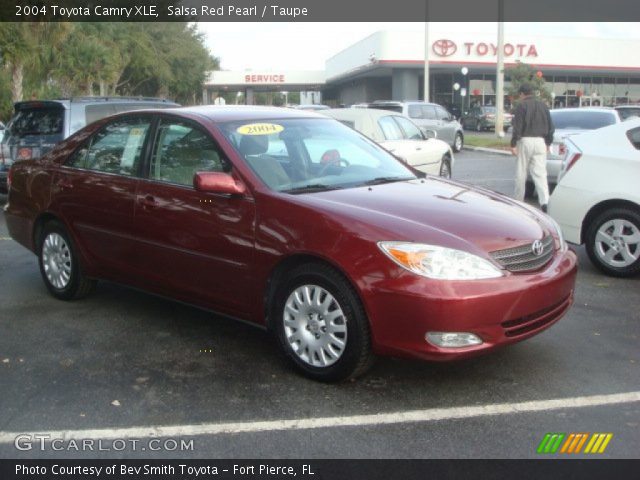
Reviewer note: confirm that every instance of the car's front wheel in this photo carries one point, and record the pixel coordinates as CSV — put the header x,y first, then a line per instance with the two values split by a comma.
x,y
613,242
445,167
458,142
321,325
59,264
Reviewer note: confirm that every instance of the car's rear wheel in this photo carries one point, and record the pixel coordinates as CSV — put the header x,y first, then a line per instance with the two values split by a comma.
x,y
445,167
458,142
60,265
321,325
613,242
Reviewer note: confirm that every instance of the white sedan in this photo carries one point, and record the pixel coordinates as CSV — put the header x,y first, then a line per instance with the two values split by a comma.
x,y
597,200
400,136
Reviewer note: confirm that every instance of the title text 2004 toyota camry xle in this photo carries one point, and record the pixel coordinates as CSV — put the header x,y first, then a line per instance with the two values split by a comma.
x,y
295,222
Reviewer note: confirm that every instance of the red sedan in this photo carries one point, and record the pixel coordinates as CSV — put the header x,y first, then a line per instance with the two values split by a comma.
x,y
296,223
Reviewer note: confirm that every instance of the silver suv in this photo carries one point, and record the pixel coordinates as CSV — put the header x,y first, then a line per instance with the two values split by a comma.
x,y
428,116
37,125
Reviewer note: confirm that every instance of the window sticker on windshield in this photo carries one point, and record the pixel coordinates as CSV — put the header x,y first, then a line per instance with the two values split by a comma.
x,y
131,149
259,129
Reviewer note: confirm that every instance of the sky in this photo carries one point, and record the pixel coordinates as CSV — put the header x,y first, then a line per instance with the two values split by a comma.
x,y
306,46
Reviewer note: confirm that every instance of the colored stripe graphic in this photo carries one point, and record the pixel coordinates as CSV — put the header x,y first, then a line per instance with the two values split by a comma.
x,y
598,443
574,442
550,443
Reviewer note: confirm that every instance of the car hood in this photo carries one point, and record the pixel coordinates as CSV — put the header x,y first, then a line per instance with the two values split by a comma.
x,y
435,211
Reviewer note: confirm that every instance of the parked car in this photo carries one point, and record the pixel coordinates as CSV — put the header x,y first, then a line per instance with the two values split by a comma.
x,y
428,116
484,118
597,200
569,122
37,126
341,255
400,136
628,111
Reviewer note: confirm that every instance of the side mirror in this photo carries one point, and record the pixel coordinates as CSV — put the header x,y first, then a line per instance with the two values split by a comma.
x,y
218,182
430,134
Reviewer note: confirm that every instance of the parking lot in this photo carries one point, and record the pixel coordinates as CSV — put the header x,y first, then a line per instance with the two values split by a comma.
x,y
130,364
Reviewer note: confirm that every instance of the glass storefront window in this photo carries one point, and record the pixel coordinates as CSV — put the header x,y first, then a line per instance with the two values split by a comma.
x,y
634,90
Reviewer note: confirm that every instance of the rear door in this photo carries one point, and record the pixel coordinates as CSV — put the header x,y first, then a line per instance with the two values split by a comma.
x,y
94,191
193,245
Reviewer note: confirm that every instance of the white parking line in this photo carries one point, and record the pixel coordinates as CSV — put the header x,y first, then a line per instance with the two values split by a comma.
x,y
412,416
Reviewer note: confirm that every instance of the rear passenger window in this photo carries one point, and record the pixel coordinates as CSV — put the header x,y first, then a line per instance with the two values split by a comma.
x,y
429,112
415,111
390,129
634,137
116,148
181,151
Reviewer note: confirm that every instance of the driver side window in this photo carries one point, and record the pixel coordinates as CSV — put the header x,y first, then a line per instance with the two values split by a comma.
x,y
181,150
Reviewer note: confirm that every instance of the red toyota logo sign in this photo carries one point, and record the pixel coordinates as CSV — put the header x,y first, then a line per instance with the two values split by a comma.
x,y
444,47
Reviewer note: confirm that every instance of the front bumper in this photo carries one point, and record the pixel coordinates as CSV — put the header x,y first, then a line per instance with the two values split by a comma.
x,y
500,311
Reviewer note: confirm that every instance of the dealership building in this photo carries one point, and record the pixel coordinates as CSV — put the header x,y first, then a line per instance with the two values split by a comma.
x,y
462,70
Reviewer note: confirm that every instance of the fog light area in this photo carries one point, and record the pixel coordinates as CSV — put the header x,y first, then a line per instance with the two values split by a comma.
x,y
452,339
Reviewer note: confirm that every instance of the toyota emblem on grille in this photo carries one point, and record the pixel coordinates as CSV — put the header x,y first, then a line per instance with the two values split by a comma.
x,y
537,248
444,47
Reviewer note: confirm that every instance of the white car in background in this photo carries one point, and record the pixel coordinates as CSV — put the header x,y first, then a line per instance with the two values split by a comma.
x,y
597,200
400,136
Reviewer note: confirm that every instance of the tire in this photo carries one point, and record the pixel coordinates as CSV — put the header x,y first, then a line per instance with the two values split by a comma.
x,y
613,242
445,167
458,142
298,323
60,264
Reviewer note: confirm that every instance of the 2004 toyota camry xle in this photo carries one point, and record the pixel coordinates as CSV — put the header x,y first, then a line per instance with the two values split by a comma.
x,y
294,222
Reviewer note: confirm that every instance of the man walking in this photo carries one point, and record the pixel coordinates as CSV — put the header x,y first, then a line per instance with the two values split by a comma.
x,y
530,140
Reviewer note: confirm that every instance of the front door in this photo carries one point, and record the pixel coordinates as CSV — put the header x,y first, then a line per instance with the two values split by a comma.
x,y
193,245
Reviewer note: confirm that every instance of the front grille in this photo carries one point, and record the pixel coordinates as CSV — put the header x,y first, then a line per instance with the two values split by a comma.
x,y
522,258
537,320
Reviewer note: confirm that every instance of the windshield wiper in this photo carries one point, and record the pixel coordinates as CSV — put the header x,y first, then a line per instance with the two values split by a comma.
x,y
312,187
381,180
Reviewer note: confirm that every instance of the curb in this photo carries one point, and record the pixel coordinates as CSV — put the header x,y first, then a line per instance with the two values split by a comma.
x,y
488,150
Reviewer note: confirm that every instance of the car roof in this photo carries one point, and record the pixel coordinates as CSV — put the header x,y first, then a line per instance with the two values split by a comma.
x,y
355,113
403,102
230,113
92,100
584,109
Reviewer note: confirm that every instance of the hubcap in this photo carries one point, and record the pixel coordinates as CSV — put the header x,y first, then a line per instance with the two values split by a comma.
x,y
458,143
618,243
56,260
444,170
315,326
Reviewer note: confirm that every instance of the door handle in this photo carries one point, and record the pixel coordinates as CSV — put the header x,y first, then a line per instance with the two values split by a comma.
x,y
148,201
64,185
418,148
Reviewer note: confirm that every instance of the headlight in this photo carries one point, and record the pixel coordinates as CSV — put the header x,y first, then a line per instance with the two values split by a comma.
x,y
439,263
563,245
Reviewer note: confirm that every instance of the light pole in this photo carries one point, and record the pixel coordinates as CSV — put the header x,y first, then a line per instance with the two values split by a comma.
x,y
465,88
426,58
500,73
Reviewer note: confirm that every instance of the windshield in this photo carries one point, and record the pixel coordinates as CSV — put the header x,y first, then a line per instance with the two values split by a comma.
x,y
584,120
305,155
37,121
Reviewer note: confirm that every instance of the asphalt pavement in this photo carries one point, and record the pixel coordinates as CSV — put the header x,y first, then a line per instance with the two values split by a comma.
x,y
132,365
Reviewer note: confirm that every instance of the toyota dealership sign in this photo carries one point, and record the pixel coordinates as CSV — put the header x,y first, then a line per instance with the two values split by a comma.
x,y
445,47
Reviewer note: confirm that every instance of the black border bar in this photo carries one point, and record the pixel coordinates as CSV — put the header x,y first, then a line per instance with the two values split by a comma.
x,y
319,469
320,10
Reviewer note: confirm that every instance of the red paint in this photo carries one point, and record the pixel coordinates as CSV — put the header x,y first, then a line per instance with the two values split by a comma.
x,y
220,251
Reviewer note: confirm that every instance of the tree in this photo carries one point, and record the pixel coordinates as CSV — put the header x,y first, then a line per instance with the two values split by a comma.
x,y
525,73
